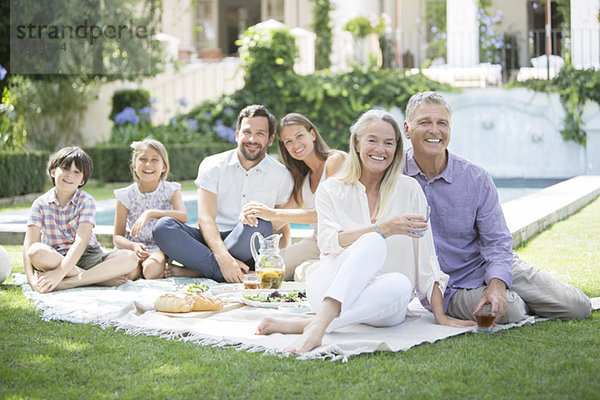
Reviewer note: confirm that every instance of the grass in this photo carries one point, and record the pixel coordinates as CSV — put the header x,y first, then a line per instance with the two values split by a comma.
x,y
553,359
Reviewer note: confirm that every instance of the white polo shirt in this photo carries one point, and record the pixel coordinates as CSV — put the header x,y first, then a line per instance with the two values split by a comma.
x,y
268,182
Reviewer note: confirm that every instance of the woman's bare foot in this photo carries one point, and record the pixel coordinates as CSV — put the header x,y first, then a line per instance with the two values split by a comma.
x,y
175,271
311,338
269,325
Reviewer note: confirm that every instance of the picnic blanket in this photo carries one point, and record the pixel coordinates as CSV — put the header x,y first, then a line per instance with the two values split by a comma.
x,y
129,307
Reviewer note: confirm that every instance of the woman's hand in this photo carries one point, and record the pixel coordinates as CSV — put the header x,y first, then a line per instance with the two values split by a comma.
x,y
413,225
255,210
141,251
143,219
449,321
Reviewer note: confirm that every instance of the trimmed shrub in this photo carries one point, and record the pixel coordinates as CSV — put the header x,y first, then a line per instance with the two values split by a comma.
x,y
23,172
135,98
111,161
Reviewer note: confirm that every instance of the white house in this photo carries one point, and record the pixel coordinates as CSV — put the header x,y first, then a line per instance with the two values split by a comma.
x,y
202,35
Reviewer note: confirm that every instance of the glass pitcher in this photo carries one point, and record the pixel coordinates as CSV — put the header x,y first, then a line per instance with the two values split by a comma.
x,y
268,263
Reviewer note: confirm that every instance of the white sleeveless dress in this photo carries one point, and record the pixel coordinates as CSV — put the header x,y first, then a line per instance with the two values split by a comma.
x,y
299,256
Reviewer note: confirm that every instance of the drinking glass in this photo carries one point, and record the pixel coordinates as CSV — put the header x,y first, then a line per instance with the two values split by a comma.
x,y
484,319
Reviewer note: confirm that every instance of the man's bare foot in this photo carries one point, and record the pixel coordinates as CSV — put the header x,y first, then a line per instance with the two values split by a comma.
x,y
311,338
175,271
269,325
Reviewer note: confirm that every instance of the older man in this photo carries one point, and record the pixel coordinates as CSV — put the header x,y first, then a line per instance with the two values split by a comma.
x,y
472,240
220,248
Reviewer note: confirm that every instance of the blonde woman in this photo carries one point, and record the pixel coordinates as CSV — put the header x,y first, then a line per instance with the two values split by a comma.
x,y
376,248
310,161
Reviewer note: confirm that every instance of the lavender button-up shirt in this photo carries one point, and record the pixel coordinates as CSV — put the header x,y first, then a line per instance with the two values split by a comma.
x,y
471,237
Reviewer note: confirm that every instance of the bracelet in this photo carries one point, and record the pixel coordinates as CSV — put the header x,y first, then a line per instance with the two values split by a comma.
x,y
378,231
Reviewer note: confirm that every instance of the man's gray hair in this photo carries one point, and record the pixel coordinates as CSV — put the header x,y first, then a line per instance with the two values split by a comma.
x,y
425,97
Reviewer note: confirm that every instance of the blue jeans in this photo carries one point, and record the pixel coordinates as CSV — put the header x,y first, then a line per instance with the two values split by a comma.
x,y
186,245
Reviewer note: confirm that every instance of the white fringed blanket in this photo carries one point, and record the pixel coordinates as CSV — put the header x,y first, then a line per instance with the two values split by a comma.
x,y
130,308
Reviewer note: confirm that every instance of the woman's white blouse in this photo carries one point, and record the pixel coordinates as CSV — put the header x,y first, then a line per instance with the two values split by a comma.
x,y
341,207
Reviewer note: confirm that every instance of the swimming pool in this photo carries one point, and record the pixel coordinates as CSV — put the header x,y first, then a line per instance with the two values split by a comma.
x,y
508,189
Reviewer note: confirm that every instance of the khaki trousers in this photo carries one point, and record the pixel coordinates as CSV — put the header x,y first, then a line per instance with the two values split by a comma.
x,y
533,292
299,256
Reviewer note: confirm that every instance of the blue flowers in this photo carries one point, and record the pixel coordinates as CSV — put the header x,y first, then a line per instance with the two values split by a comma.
x,y
127,116
228,111
192,124
224,132
2,72
182,102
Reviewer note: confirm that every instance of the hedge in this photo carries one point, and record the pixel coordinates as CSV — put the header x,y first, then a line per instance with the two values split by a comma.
x,y
111,161
23,172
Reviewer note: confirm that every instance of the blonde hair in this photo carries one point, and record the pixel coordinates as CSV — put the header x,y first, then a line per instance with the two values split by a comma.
x,y
298,168
151,144
352,168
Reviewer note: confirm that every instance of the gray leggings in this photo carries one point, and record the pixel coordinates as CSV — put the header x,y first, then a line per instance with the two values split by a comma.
x,y
185,244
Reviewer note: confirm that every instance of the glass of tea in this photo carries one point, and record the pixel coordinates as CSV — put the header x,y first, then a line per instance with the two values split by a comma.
x,y
484,319
251,280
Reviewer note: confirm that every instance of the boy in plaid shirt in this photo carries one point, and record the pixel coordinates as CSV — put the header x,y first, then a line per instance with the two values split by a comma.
x,y
59,243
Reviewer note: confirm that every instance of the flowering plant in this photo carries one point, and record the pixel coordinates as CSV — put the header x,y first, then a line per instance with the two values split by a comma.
x,y
362,26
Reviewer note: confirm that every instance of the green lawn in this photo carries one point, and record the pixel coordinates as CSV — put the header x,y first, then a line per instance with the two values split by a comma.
x,y
551,359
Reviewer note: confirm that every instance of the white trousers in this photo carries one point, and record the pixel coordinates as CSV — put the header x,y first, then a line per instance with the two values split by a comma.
x,y
350,278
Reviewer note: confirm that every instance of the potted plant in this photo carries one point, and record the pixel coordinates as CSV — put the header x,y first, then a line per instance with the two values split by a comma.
x,y
366,30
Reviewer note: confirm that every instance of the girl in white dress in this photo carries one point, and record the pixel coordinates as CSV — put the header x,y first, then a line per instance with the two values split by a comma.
x,y
144,202
376,248
310,161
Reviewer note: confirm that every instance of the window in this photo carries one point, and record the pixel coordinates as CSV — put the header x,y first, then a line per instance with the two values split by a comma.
x,y
204,30
275,10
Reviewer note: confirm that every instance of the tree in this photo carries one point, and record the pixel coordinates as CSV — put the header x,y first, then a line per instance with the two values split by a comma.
x,y
322,27
63,48
113,39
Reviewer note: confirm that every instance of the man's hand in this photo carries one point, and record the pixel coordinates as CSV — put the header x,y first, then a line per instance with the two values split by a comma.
x,y
233,270
495,294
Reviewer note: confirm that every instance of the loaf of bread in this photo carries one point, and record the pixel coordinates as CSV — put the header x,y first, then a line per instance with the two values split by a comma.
x,y
204,302
172,303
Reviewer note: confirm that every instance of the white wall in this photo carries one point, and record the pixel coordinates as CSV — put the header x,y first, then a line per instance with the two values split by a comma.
x,y
515,20
194,82
178,21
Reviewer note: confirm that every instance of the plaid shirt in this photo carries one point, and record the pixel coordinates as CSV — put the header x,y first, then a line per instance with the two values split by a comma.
x,y
59,224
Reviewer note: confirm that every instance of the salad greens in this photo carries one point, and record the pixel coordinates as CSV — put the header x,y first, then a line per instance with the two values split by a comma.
x,y
277,297
194,288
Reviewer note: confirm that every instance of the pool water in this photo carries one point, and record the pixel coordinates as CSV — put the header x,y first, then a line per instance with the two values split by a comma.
x,y
508,189
107,217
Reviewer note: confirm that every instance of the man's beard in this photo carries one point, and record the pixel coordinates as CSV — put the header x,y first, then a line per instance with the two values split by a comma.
x,y
253,157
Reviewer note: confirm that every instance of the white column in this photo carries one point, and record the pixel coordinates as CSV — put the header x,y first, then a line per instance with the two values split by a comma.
x,y
585,33
463,33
